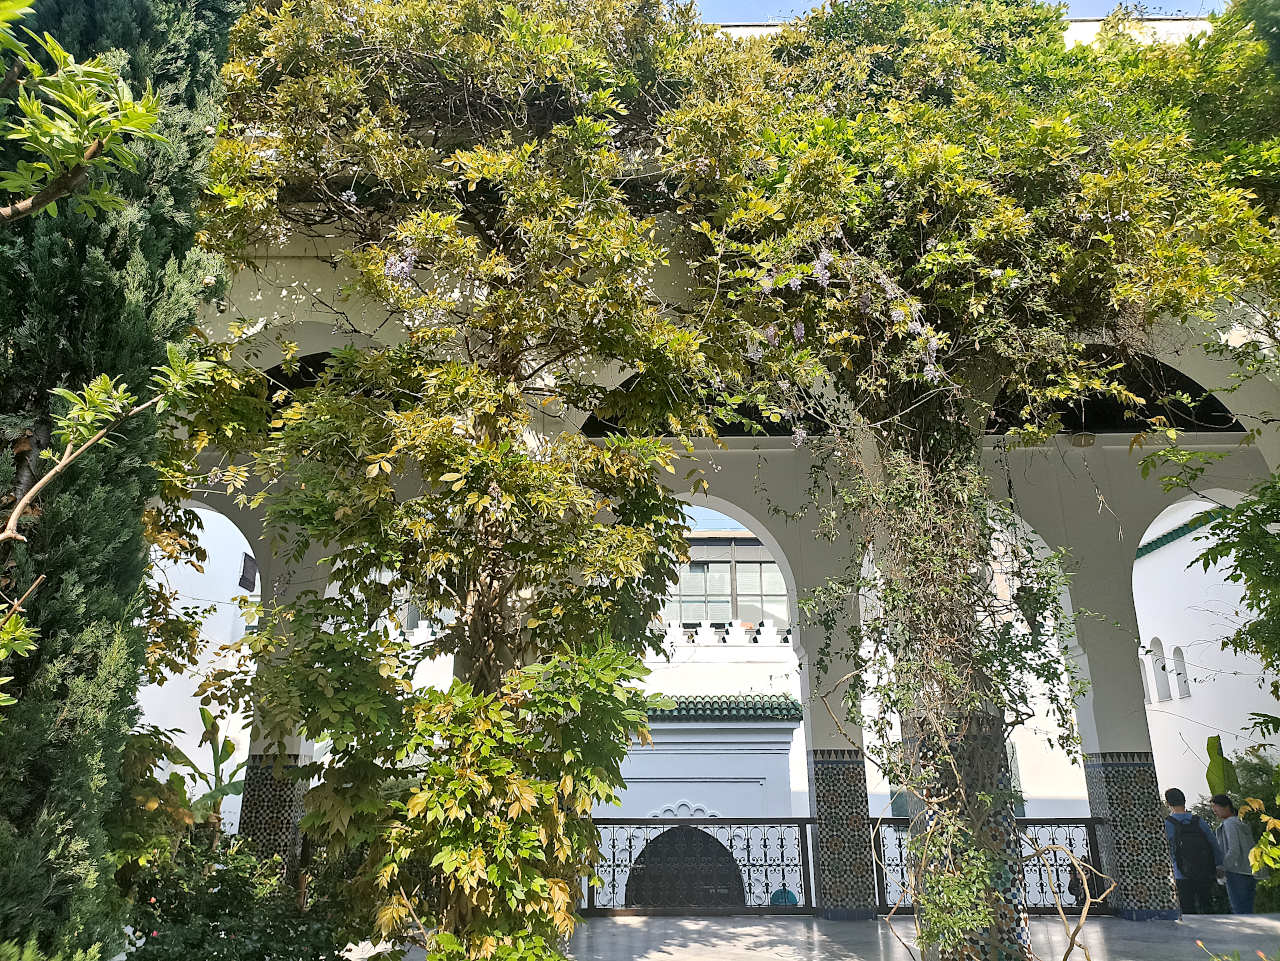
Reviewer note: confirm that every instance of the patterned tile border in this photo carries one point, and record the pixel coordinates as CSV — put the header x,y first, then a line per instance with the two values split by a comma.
x,y
271,808
843,860
1124,794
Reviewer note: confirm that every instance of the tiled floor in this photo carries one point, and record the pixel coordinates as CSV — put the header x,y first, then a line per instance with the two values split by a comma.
x,y
806,939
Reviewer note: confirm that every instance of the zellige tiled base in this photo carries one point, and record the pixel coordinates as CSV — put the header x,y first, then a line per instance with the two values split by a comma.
x,y
1125,796
271,808
845,865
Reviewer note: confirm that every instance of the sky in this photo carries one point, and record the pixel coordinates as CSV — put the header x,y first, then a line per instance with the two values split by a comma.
x,y
764,11
705,519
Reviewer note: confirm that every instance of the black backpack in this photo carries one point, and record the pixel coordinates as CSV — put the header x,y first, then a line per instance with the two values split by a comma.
x,y
1192,851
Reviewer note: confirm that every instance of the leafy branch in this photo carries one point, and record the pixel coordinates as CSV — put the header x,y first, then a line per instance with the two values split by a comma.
x,y
90,418
72,121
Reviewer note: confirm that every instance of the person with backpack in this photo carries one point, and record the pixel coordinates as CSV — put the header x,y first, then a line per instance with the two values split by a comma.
x,y
1236,841
1195,855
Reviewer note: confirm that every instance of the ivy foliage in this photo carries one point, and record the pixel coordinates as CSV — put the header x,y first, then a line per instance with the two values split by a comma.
x,y
480,848
869,226
80,298
222,903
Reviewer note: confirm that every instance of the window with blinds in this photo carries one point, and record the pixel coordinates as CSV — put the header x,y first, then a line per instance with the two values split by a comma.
x,y
729,579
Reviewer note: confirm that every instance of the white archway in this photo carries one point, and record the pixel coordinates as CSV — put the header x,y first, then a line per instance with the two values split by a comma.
x,y
759,530
174,705
1183,613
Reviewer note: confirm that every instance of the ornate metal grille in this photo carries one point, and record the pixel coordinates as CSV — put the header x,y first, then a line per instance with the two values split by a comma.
x,y
702,866
1045,874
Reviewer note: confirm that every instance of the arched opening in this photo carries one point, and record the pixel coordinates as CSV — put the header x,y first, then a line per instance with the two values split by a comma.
x,y
300,372
1183,612
684,867
732,579
1166,391
1046,776
229,572
749,422
1181,681
1160,666
728,633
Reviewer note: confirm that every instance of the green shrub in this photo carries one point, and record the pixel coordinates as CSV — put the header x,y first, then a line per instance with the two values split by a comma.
x,y
224,904
13,951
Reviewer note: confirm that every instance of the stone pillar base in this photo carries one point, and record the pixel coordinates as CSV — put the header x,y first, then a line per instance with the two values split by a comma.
x,y
1125,796
844,863
271,807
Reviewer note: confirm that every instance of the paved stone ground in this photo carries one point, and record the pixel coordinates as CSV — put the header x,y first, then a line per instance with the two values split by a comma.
x,y
807,939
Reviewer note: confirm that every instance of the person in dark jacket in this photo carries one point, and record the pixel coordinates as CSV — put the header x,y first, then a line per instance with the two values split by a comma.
x,y
1195,855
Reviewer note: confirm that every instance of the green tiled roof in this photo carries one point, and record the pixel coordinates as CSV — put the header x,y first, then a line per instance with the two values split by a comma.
x,y
731,707
1181,531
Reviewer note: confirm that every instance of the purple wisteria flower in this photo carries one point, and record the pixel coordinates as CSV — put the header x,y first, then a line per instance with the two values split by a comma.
x,y
347,196
771,335
794,283
399,267
821,268
797,331
798,436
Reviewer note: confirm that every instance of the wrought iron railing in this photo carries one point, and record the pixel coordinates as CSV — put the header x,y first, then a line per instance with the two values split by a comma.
x,y
1058,839
702,866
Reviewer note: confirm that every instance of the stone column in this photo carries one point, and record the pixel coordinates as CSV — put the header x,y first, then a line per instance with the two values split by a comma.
x,y
1120,770
843,855
271,808
1091,499
844,862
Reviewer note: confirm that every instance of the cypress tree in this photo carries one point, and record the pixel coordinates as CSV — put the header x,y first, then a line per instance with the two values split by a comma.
x,y
82,296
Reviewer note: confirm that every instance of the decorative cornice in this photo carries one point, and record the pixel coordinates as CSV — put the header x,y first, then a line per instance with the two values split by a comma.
x,y
731,707
1119,759
1181,531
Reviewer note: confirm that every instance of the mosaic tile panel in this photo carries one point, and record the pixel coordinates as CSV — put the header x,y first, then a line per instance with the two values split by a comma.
x,y
1010,937
271,807
1011,909
844,863
1125,796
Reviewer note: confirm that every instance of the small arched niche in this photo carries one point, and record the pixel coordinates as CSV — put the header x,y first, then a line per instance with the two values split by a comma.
x,y
1160,667
1181,681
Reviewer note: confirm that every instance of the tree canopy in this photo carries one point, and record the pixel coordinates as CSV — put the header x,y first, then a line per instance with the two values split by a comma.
x,y
869,225
89,301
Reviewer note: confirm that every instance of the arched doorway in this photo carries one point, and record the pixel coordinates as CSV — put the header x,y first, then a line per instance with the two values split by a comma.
x,y
1167,392
684,867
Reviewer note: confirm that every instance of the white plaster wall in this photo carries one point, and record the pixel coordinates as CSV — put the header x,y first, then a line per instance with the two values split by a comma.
x,y
725,770
737,668
174,705
1185,606
1053,785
